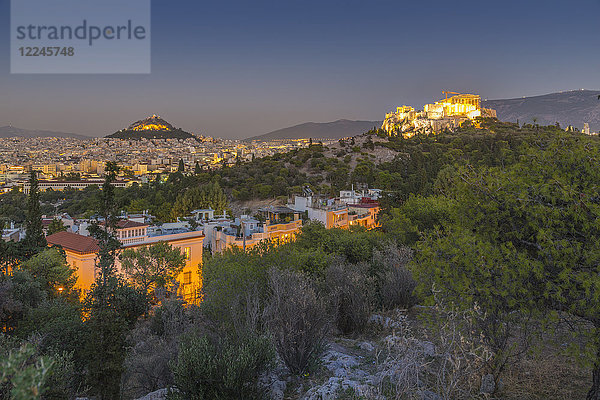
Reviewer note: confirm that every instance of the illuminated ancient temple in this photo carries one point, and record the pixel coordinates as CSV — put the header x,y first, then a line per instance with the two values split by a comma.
x,y
447,113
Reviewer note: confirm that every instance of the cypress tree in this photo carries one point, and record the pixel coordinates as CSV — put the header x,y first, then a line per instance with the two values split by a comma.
x,y
112,305
34,239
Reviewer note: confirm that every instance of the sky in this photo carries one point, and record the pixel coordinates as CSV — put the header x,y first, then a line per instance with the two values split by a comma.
x,y
236,69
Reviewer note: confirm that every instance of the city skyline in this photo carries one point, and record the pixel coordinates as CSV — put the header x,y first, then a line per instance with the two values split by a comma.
x,y
235,70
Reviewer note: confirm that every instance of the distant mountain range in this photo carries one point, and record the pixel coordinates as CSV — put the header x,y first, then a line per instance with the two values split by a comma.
x,y
11,131
153,127
325,130
573,107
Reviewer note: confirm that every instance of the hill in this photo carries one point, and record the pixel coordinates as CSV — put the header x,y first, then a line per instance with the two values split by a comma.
x,y
153,127
326,130
574,107
11,131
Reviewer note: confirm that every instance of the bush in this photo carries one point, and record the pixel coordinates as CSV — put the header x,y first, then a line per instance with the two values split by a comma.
x,y
146,367
23,373
221,368
350,295
396,284
154,344
60,383
236,283
297,319
355,245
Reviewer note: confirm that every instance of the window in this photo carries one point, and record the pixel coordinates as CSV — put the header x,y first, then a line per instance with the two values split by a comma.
x,y
187,278
187,252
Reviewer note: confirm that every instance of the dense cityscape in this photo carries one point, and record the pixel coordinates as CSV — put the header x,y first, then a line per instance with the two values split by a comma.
x,y
57,157
338,201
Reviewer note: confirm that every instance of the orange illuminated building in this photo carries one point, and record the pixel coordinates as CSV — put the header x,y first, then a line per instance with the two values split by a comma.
x,y
82,254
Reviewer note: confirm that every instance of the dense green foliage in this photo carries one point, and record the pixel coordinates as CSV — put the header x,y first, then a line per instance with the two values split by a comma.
x,y
420,167
56,226
22,375
153,267
200,197
516,240
34,234
499,222
113,307
11,206
220,368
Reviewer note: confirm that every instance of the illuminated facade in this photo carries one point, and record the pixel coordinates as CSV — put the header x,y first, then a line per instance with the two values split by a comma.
x,y
364,214
352,208
281,225
82,253
44,185
448,113
153,123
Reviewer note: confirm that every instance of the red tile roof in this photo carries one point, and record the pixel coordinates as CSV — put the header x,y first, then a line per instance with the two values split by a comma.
x,y
74,242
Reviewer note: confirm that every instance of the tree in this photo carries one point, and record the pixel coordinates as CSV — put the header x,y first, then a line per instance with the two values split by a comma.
x,y
34,239
111,305
197,169
51,270
153,267
108,243
7,256
181,167
461,268
112,308
56,226
527,239
19,292
206,196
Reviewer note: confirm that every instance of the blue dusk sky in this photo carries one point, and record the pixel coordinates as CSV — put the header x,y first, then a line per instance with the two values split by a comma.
x,y
236,69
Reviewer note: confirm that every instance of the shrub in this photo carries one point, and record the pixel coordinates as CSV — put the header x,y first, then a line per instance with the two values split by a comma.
x,y
60,383
350,295
236,283
221,368
154,344
297,319
23,373
355,245
396,283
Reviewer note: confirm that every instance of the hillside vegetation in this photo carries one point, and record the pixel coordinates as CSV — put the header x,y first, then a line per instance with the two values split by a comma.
x,y
483,282
399,166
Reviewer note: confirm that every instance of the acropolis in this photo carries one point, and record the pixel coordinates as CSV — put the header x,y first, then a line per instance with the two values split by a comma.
x,y
447,113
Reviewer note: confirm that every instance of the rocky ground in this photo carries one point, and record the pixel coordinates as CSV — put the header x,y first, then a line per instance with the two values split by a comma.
x,y
361,367
397,358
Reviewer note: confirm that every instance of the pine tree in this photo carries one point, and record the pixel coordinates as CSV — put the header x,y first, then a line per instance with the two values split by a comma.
x,y
56,226
181,167
34,239
197,169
